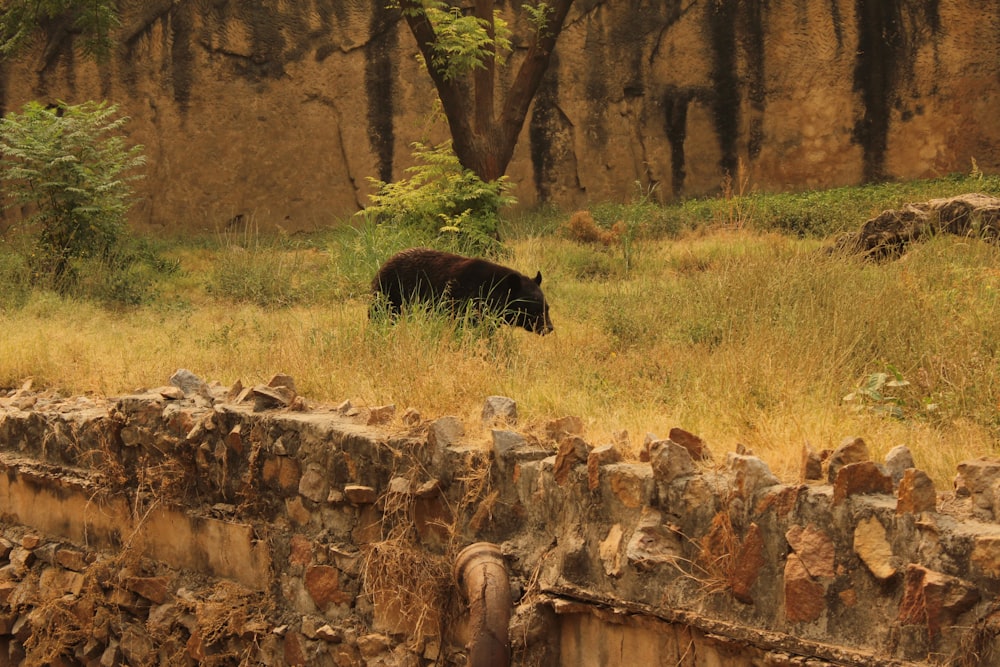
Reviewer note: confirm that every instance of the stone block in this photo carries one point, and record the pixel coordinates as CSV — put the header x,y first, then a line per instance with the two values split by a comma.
x,y
805,599
863,478
750,475
916,492
814,548
323,584
499,410
850,450
696,446
598,457
670,461
871,543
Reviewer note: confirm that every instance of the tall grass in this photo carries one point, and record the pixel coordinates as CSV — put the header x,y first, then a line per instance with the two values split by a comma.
x,y
742,335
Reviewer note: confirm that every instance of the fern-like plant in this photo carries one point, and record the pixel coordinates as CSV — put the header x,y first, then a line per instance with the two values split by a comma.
x,y
70,170
444,202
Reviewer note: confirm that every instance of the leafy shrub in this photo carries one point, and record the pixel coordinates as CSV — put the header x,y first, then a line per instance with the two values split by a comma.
x,y
447,205
70,166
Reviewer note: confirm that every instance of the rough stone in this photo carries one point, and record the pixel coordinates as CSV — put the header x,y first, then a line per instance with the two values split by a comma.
x,y
600,456
814,548
21,558
323,584
445,432
916,492
851,450
572,451
294,649
282,380
56,581
897,461
5,547
314,485
631,483
506,442
137,646
804,598
860,479
812,465
986,555
373,645
750,474
297,512
610,551
283,471
329,634
888,234
189,383
499,410
266,397
670,461
557,429
978,478
749,562
696,446
872,546
171,393
934,599
359,494
234,439
154,589
652,543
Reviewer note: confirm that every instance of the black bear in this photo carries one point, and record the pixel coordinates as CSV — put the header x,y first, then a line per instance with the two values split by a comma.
x,y
432,276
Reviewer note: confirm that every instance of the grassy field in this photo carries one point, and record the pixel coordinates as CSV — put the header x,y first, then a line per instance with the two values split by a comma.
x,y
726,317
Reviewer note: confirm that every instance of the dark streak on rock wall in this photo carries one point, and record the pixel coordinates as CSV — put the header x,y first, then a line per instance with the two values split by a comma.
x,y
381,56
884,64
596,81
736,26
726,101
543,131
182,57
838,22
675,108
751,21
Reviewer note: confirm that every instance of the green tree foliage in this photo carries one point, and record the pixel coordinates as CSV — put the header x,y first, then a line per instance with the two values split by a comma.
x,y
69,169
93,20
444,203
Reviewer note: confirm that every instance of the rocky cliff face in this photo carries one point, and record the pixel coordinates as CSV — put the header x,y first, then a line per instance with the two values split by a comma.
x,y
282,111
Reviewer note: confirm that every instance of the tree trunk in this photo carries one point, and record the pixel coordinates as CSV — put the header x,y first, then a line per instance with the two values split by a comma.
x,y
483,142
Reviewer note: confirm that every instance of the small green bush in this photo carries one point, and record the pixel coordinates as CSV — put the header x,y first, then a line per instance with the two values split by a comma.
x,y
447,205
70,166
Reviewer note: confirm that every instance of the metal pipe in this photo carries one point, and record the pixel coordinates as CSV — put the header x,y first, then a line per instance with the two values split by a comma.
x,y
483,579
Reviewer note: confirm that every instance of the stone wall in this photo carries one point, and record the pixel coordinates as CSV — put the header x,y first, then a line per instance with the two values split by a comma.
x,y
280,112
212,525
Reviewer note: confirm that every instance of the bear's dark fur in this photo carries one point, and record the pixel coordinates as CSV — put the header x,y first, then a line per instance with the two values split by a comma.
x,y
432,276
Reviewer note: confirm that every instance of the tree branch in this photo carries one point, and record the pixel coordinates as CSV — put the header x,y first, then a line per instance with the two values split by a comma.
x,y
449,91
529,75
484,77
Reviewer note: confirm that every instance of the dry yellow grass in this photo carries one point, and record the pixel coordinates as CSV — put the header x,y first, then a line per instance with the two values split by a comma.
x,y
740,338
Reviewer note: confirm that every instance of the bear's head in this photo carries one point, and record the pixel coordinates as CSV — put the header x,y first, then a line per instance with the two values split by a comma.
x,y
527,307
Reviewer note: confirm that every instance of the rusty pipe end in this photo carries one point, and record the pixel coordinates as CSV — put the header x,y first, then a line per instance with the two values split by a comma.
x,y
483,579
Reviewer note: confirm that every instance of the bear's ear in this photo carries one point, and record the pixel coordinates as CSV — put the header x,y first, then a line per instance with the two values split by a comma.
x,y
538,279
